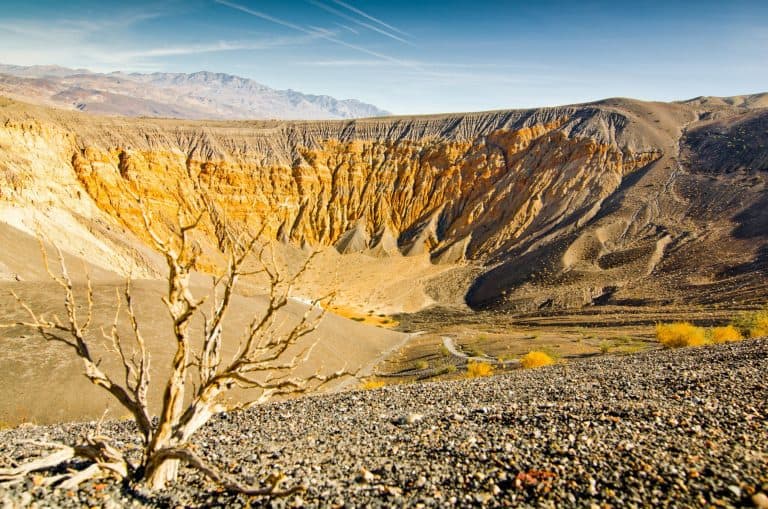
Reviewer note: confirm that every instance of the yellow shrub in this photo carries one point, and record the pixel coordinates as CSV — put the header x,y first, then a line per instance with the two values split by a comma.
x,y
476,369
753,324
760,326
726,334
536,360
675,335
371,384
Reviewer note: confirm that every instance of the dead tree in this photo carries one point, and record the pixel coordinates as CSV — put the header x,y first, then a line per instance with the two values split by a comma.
x,y
199,375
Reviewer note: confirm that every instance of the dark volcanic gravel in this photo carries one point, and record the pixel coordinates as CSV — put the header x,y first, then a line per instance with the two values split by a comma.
x,y
664,429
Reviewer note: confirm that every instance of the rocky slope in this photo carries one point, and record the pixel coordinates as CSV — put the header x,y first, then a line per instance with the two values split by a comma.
x,y
684,428
196,95
615,202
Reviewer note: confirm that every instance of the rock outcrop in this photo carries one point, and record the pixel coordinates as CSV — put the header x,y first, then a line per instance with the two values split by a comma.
x,y
566,206
430,191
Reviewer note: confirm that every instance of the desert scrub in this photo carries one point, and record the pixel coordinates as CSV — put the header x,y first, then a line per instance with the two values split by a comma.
x,y
421,364
679,334
474,351
605,347
536,359
371,384
760,328
446,369
725,334
478,369
753,324
629,349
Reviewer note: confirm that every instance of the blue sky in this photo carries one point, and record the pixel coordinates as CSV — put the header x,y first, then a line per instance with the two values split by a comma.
x,y
414,56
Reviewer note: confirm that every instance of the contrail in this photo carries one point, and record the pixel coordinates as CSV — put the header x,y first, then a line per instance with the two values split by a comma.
x,y
348,28
293,26
263,16
363,24
384,32
366,15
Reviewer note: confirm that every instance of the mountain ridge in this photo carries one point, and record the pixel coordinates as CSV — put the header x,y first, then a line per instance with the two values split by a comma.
x,y
199,95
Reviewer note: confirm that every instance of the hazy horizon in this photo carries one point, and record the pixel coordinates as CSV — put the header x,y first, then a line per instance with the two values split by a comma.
x,y
432,57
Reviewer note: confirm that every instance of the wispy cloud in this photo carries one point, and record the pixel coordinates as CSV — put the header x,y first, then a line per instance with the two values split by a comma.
x,y
372,53
369,17
347,27
312,31
37,30
344,63
384,32
77,43
459,72
321,32
526,67
214,47
67,30
123,19
357,22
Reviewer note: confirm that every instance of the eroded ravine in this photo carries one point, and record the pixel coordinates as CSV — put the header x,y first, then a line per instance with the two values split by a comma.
x,y
555,205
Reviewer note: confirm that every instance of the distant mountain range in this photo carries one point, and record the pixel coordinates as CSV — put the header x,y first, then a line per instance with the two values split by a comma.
x,y
200,95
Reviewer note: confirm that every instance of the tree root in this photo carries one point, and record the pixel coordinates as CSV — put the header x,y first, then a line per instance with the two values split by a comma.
x,y
228,483
108,461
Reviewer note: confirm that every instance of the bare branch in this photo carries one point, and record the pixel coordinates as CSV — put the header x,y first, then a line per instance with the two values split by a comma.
x,y
263,362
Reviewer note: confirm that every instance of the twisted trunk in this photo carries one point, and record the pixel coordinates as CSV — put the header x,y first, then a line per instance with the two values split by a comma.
x,y
161,472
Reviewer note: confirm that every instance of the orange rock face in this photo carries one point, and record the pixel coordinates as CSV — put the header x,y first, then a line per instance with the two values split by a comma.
x,y
557,207
430,193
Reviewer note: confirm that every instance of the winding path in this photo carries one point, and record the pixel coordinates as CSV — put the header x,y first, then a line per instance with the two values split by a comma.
x,y
461,359
451,347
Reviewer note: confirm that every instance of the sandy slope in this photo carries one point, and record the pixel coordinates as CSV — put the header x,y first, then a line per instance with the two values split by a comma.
x,y
43,382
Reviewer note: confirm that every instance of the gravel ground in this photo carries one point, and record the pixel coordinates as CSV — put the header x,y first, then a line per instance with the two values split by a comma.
x,y
664,429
